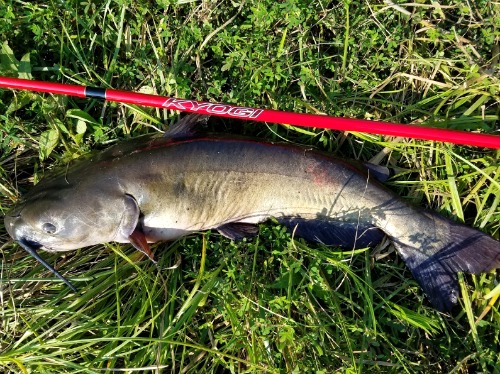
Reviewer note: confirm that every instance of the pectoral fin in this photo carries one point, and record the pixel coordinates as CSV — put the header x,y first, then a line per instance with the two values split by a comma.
x,y
138,240
131,228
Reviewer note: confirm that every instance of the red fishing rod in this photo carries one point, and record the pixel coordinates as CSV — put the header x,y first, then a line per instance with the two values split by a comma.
x,y
261,115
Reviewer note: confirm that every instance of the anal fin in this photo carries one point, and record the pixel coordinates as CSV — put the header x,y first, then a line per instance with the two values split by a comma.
x,y
348,235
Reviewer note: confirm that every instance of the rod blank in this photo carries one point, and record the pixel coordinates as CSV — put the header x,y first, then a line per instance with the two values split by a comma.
x,y
260,115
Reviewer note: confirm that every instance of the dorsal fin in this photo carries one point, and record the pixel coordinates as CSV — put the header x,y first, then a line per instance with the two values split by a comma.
x,y
186,126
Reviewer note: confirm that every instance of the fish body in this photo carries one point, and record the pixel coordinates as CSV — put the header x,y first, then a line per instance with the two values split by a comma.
x,y
167,188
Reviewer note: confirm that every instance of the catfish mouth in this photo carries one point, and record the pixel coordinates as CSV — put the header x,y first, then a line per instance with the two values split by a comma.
x,y
31,247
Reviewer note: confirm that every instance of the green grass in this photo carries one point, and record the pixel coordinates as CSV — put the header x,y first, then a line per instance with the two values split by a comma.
x,y
271,304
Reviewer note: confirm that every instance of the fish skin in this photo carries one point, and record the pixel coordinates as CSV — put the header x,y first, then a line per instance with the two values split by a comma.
x,y
172,187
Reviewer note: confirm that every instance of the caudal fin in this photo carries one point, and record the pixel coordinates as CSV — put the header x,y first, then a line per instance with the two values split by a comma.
x,y
456,248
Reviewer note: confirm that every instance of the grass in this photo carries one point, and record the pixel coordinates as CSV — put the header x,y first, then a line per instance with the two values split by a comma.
x,y
271,304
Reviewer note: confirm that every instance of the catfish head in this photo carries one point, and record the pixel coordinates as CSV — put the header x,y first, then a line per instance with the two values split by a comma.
x,y
65,217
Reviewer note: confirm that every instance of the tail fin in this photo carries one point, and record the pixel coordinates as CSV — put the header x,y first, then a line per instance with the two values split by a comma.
x,y
456,248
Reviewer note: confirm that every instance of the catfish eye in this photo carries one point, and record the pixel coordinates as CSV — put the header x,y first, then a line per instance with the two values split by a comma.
x,y
49,228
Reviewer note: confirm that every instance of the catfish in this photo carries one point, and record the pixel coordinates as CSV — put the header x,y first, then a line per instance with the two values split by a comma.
x,y
165,188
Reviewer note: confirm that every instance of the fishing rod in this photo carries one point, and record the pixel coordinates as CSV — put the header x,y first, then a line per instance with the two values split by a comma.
x,y
256,114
